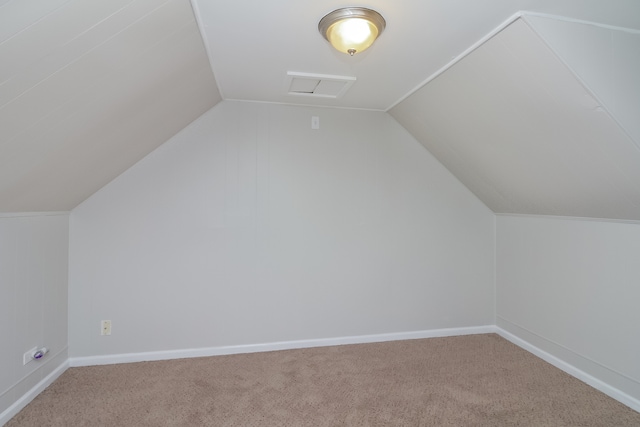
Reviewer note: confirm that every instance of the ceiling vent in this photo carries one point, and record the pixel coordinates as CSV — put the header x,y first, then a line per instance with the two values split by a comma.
x,y
318,85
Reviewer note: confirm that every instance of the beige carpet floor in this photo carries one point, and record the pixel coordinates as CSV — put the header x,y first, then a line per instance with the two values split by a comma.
x,y
477,380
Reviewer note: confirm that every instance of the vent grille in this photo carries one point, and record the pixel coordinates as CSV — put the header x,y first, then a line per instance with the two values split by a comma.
x,y
318,85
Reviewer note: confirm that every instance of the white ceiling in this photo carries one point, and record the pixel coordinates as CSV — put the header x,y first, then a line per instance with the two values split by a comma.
x,y
252,45
89,88
518,128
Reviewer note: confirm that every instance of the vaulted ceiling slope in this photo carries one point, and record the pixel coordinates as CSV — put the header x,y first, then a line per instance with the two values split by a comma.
x,y
87,88
533,104
253,45
540,119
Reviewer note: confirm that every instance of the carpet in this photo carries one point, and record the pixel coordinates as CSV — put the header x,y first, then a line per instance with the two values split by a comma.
x,y
475,380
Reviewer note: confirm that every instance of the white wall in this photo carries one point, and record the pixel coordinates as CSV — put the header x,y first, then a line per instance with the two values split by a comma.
x,y
571,288
33,299
249,227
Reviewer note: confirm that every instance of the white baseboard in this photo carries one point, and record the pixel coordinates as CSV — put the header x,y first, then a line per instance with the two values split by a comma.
x,y
12,410
600,385
282,345
613,392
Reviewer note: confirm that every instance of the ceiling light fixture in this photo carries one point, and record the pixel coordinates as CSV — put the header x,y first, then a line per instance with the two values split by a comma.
x,y
351,29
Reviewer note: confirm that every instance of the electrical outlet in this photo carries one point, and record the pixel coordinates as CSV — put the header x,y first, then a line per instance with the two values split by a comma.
x,y
105,327
28,356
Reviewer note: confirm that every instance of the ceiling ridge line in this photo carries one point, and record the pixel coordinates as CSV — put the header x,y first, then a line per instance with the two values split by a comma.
x,y
460,57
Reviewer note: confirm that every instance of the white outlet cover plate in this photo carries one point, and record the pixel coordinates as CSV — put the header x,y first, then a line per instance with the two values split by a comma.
x,y
28,356
105,327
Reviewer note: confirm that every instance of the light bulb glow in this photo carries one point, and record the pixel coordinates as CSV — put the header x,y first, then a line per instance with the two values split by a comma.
x,y
354,31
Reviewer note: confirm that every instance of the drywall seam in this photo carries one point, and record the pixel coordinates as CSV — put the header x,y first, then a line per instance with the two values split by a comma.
x,y
460,57
275,346
580,80
505,24
83,55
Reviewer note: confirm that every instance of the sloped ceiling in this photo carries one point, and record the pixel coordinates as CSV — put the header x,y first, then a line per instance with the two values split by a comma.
x,y
87,88
254,44
606,60
518,127
536,117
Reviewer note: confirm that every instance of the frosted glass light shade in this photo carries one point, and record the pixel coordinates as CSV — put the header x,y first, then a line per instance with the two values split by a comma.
x,y
352,30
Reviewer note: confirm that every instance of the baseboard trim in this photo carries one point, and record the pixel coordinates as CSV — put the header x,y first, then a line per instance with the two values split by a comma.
x,y
594,382
17,406
274,346
600,385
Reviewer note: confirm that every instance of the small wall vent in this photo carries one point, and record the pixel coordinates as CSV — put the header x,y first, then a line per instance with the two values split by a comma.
x,y
318,85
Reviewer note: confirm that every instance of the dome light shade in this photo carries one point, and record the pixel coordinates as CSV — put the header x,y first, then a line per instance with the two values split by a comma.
x,y
351,29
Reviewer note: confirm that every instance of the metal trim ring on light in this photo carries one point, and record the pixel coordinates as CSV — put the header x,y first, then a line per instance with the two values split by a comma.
x,y
337,15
